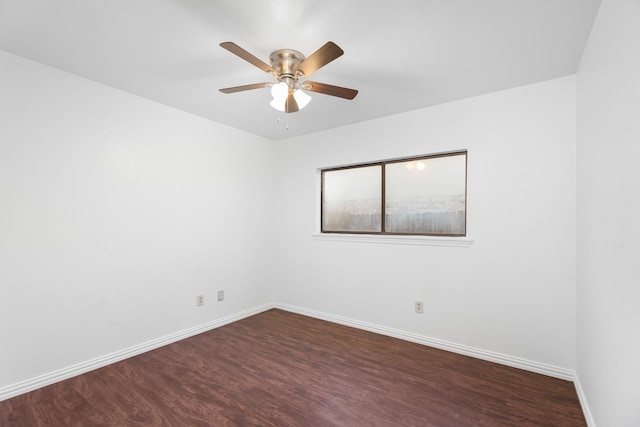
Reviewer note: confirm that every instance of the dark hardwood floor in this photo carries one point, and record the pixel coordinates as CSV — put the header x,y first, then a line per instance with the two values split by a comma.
x,y
282,369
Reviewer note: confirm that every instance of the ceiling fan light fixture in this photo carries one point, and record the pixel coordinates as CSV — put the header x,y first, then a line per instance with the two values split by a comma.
x,y
280,92
277,104
301,98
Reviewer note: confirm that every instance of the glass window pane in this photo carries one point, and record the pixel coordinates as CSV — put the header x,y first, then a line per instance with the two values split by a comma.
x,y
426,196
352,199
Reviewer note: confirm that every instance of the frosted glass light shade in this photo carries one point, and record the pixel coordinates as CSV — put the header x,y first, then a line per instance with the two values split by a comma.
x,y
301,98
277,104
280,92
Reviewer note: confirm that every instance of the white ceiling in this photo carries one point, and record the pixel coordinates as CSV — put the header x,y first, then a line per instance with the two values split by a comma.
x,y
401,55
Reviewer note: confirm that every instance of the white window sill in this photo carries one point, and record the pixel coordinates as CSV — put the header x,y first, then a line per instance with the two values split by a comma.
x,y
394,239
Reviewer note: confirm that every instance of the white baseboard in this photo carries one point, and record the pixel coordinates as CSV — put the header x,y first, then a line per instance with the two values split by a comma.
x,y
81,368
503,359
584,403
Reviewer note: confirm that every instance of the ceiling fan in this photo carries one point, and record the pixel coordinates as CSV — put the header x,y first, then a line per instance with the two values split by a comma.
x,y
289,67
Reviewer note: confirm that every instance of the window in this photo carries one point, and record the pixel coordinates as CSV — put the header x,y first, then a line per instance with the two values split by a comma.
x,y
419,196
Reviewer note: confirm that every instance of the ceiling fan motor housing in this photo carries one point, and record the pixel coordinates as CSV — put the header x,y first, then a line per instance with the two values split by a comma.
x,y
286,62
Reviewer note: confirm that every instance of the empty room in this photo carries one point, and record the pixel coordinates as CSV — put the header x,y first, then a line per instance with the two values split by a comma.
x,y
329,213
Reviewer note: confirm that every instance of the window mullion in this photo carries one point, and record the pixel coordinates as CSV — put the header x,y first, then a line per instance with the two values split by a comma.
x,y
383,200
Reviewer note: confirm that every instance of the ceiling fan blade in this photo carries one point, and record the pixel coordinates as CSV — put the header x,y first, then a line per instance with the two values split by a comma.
x,y
237,50
291,105
245,87
320,58
332,90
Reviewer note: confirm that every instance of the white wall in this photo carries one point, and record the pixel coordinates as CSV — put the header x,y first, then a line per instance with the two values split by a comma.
x,y
115,213
608,250
511,292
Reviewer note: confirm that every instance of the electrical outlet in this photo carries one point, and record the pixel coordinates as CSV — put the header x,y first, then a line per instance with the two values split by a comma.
x,y
220,295
419,306
200,300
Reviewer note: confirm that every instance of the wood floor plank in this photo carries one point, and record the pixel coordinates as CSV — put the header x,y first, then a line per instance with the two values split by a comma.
x,y
283,369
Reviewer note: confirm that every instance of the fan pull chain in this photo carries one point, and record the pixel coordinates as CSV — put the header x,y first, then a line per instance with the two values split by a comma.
x,y
286,121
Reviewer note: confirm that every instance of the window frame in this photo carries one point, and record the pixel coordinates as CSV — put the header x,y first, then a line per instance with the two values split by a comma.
x,y
383,232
